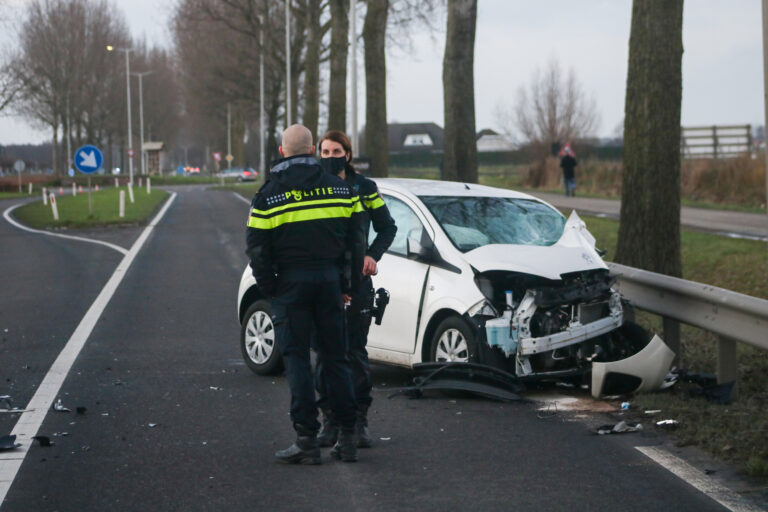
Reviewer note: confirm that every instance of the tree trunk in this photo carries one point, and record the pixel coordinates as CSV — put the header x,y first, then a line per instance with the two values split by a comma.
x,y
337,101
312,71
376,135
55,150
459,140
649,234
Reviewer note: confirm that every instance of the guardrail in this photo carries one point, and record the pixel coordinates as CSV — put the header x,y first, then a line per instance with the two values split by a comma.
x,y
733,317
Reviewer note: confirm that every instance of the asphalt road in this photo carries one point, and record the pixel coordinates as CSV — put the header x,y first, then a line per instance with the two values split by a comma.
x,y
175,421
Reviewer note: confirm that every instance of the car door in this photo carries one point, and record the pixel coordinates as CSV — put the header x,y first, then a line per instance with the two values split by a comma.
x,y
403,278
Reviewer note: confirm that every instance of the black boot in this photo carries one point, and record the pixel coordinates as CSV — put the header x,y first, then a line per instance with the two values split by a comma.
x,y
361,429
345,448
304,451
329,431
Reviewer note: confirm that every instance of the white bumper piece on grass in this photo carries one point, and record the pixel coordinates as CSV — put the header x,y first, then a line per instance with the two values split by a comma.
x,y
641,372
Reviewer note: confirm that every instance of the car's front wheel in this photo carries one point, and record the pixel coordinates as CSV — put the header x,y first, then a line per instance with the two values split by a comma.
x,y
257,340
454,342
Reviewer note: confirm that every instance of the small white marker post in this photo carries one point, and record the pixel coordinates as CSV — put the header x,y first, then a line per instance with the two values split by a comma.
x,y
130,191
30,189
140,182
54,208
45,197
122,203
117,182
74,189
149,186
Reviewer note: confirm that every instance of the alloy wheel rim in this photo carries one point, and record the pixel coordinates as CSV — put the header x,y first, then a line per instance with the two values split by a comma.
x,y
452,347
259,337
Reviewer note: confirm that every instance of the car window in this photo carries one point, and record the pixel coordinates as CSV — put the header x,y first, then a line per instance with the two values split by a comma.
x,y
471,222
408,225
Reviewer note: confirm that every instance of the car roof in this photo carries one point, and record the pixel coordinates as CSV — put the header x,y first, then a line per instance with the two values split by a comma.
x,y
446,188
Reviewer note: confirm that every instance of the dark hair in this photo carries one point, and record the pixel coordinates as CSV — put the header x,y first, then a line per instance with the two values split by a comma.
x,y
341,138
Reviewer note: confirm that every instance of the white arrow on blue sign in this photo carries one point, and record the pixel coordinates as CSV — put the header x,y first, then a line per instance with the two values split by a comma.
x,y
88,159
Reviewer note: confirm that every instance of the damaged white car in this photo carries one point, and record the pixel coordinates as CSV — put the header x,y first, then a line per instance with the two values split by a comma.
x,y
487,275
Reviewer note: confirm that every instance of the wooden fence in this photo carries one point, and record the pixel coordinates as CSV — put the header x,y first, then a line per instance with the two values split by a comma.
x,y
716,141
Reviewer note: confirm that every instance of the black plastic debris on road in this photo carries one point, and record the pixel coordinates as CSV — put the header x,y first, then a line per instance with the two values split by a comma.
x,y
479,379
81,410
8,442
43,440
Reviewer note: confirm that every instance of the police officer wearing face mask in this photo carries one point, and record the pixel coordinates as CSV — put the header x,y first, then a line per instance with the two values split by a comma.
x,y
306,244
336,156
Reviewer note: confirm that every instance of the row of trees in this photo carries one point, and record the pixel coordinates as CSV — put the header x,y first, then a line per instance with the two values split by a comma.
x,y
61,77
220,44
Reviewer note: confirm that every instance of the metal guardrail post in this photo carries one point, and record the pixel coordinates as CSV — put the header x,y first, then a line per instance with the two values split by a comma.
x,y
671,329
727,364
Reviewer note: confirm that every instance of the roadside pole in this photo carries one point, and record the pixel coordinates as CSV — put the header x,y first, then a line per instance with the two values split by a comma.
x,y
54,208
122,204
19,166
149,186
130,192
765,95
90,197
45,197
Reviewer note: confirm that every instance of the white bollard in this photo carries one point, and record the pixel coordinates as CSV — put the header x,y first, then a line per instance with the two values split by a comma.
x,y
140,182
74,189
97,188
122,203
45,197
117,182
130,192
149,186
54,207
30,189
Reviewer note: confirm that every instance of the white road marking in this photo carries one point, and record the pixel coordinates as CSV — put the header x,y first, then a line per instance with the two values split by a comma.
x,y
29,422
241,197
7,215
692,476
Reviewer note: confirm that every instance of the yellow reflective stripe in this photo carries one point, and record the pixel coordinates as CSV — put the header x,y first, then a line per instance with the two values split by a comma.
x,y
300,216
304,203
371,196
375,203
358,206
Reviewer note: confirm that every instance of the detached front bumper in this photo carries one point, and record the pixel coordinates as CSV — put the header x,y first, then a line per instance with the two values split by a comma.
x,y
643,371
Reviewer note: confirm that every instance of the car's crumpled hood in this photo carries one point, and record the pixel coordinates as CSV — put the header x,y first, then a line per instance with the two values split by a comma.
x,y
574,252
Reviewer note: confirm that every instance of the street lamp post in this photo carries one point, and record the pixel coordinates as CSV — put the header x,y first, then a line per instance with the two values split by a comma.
x,y
262,158
288,63
141,119
111,48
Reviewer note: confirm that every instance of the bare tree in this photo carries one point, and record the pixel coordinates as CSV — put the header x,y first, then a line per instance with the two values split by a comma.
x,y
459,143
376,136
649,233
337,95
552,109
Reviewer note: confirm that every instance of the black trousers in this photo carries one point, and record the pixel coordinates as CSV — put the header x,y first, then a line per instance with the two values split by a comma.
x,y
358,316
307,303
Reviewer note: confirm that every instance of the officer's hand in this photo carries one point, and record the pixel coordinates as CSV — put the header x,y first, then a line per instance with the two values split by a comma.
x,y
345,298
369,266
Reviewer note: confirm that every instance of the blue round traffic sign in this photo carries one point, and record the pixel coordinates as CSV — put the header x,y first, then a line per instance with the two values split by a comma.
x,y
88,159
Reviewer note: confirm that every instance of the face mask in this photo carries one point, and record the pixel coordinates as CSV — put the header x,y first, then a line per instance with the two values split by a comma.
x,y
334,165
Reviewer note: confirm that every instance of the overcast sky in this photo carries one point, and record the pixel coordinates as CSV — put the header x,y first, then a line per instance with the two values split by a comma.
x,y
722,60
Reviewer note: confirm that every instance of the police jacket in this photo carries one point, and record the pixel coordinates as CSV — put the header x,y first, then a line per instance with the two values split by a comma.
x,y
376,213
305,219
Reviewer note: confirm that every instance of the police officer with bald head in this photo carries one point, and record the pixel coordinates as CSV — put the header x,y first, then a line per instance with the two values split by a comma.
x,y
306,244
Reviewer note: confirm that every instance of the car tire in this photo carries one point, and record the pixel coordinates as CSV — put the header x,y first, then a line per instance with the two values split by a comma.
x,y
257,340
453,341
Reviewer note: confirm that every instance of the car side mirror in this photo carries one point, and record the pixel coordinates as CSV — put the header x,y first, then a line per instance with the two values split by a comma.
x,y
420,250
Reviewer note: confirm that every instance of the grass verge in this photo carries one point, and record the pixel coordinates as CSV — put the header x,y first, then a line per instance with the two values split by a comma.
x,y
14,195
73,210
735,432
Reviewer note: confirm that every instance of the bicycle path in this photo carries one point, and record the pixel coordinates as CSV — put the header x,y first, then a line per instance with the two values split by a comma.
x,y
736,224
